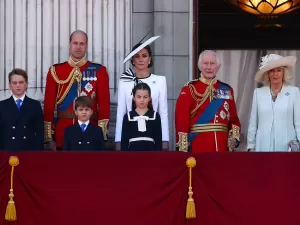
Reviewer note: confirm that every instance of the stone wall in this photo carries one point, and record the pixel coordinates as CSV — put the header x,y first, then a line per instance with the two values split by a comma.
x,y
170,20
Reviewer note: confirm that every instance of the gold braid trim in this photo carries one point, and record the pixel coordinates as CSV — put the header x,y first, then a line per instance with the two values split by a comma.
x,y
103,124
190,212
183,142
61,82
11,212
75,74
47,131
235,132
200,98
60,100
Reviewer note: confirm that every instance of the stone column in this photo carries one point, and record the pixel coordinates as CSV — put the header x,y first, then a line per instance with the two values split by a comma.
x,y
171,50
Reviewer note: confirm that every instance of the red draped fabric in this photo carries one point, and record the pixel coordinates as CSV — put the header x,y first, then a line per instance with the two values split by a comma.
x,y
116,188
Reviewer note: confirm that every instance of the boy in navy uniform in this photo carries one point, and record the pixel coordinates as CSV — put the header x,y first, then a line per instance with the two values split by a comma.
x,y
21,118
83,135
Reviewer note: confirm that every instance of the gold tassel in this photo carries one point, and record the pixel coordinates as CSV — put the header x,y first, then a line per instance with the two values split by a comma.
x,y
11,213
190,207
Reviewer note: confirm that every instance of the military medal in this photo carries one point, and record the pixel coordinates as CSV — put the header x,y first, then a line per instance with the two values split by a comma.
x,y
222,114
95,75
229,96
88,87
88,76
93,95
83,76
226,106
217,94
226,94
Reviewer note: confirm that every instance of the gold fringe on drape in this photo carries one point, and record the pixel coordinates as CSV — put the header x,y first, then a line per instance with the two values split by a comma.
x,y
190,207
11,213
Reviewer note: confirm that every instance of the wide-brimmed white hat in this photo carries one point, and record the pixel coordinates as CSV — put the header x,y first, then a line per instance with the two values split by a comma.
x,y
143,45
272,61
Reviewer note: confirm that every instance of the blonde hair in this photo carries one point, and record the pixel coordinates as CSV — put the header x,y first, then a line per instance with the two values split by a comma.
x,y
287,76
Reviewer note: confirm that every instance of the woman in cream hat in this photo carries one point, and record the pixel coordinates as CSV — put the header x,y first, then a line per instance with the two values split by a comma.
x,y
275,114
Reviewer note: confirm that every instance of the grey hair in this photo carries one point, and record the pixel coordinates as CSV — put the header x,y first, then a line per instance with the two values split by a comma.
x,y
78,32
287,76
210,52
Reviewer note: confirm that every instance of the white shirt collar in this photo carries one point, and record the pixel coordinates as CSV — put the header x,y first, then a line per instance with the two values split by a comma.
x,y
86,123
22,98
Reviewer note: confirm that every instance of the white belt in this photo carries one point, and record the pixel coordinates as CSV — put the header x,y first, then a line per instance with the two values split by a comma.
x,y
141,139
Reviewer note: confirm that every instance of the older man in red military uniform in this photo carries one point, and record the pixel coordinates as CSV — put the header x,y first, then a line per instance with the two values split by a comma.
x,y
68,80
206,117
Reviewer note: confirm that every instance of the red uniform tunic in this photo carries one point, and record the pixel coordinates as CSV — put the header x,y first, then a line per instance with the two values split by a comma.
x,y
192,102
65,82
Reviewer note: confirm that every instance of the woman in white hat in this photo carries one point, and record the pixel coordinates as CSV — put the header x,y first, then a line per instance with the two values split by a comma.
x,y
275,115
141,59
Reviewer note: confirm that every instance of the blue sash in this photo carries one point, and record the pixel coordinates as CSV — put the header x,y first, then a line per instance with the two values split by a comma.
x,y
72,94
210,111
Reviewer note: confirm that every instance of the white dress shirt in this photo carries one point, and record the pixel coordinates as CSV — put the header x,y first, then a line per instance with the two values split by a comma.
x,y
158,86
86,123
22,98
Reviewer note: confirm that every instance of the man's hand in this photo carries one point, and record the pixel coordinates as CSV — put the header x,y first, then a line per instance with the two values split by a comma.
x,y
165,145
50,145
233,144
118,146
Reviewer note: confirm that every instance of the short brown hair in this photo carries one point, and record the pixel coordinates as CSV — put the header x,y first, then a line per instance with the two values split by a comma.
x,y
83,101
18,71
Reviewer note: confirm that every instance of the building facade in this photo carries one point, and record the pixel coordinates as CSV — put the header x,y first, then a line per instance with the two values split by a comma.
x,y
34,34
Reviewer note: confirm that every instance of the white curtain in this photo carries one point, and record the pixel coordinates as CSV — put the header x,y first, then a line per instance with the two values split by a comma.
x,y
238,68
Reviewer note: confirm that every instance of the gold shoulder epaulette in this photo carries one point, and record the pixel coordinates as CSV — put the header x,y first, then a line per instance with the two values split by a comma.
x,y
190,82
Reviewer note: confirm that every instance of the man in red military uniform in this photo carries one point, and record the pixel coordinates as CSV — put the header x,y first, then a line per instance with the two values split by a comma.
x,y
68,80
206,118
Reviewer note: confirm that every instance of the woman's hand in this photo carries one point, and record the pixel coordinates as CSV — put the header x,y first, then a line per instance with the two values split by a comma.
x,y
118,146
165,145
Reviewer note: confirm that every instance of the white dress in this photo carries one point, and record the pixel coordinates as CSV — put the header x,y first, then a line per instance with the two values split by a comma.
x,y
158,86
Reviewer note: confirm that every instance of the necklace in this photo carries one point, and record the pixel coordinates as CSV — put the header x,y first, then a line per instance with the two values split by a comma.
x,y
274,96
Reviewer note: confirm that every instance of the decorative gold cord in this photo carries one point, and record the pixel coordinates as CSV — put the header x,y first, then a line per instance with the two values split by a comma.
x,y
190,207
11,213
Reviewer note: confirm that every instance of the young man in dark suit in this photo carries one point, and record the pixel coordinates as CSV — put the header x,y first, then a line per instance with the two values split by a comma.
x,y
21,118
83,135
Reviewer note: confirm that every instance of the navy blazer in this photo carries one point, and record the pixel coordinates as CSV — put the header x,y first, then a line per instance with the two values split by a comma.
x,y
21,130
89,140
